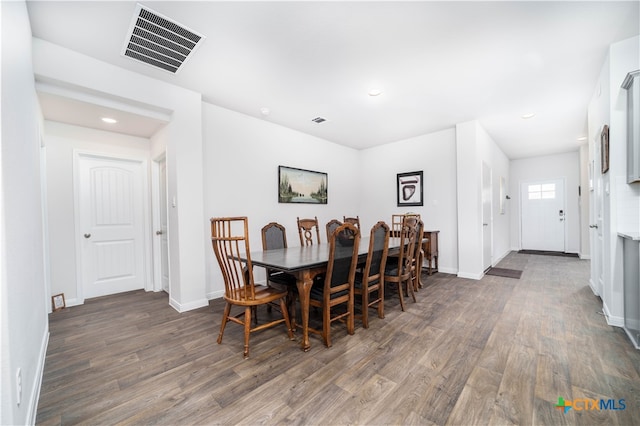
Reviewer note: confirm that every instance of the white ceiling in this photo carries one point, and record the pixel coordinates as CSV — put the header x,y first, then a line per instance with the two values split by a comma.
x,y
438,63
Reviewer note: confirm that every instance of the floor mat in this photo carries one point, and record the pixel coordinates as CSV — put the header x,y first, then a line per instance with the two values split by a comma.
x,y
549,253
502,272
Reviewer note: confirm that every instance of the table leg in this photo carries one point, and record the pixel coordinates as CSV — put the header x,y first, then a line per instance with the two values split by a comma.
x,y
304,283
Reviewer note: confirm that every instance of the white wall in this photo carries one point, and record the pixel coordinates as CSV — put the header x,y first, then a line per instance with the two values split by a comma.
x,y
24,328
435,155
565,166
474,147
183,137
61,140
241,156
621,201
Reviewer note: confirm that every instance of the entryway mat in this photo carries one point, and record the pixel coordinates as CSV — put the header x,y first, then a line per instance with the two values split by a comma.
x,y
503,272
549,253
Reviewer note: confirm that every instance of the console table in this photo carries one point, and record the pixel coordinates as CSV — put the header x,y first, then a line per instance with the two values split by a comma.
x,y
430,247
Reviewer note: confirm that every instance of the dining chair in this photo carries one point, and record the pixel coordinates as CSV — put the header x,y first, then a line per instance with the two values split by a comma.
x,y
371,280
418,256
337,286
352,220
305,230
399,270
331,226
274,236
396,224
230,240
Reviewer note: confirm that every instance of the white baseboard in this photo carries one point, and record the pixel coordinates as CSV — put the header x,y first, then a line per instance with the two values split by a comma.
x,y
499,259
614,321
584,256
184,307
593,288
470,275
37,380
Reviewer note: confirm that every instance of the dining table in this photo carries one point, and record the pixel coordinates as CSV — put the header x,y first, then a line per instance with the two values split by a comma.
x,y
306,263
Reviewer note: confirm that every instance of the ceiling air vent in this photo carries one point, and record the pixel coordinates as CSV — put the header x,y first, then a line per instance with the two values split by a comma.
x,y
319,120
159,41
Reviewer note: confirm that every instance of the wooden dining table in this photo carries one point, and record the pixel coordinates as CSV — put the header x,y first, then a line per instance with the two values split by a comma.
x,y
305,263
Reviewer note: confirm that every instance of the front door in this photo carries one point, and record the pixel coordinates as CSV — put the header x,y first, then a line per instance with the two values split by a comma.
x,y
543,214
110,194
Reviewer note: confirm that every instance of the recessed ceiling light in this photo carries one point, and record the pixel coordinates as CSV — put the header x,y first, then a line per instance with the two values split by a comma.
x,y
528,115
265,111
109,120
375,92
582,138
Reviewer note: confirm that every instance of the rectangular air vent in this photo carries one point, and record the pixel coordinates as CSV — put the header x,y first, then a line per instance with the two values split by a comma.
x,y
319,120
159,41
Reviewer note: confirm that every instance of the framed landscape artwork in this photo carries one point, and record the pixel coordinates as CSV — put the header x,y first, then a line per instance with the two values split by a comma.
x,y
301,186
410,189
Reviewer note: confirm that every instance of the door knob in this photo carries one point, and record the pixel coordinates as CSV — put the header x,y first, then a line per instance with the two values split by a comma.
x,y
158,232
87,235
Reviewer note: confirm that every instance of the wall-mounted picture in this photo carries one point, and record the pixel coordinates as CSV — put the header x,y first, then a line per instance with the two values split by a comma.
x,y
410,189
301,186
604,148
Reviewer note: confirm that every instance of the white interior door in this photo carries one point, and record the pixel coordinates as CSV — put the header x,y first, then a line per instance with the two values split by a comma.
x,y
487,219
543,215
110,196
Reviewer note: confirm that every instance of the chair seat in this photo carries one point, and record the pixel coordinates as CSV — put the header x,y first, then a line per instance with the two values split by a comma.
x,y
283,278
318,294
263,294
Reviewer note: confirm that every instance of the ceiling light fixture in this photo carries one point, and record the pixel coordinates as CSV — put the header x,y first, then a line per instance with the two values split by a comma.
x,y
582,138
109,120
528,115
375,92
265,111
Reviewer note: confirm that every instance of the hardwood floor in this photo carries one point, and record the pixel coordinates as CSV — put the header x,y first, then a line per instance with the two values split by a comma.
x,y
494,351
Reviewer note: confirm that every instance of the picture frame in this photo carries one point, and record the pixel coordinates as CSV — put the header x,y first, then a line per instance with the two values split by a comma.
x,y
58,302
604,148
410,189
300,186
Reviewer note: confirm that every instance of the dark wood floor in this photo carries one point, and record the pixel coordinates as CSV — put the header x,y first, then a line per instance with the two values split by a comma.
x,y
494,351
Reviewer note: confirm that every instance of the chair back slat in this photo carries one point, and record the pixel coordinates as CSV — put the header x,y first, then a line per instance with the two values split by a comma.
x,y
332,225
305,230
229,237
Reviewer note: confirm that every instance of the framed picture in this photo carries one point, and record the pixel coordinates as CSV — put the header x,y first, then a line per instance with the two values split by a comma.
x,y
604,148
301,186
57,302
410,189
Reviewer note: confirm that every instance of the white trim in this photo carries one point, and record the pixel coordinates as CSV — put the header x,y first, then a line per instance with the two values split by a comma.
x,y
195,304
470,276
77,154
215,294
32,410
611,320
155,222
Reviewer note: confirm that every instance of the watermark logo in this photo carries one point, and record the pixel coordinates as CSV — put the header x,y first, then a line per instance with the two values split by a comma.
x,y
588,404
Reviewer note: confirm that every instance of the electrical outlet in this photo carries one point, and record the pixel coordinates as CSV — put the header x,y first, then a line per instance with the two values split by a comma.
x,y
18,386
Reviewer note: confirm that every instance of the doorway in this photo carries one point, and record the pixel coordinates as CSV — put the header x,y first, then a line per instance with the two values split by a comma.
x,y
111,236
487,219
160,228
543,215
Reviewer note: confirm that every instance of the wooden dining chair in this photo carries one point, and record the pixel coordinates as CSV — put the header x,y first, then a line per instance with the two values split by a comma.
x,y
230,240
337,286
352,220
418,256
396,224
399,271
371,280
274,236
305,230
331,226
